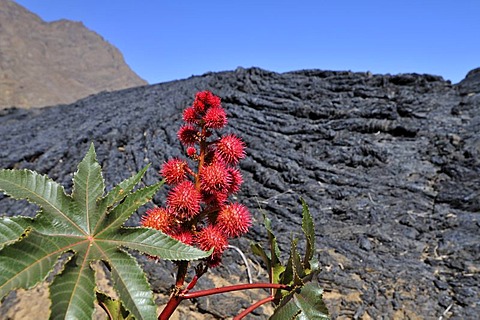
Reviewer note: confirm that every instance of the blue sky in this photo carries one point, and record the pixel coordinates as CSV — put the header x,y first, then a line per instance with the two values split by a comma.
x,y
168,40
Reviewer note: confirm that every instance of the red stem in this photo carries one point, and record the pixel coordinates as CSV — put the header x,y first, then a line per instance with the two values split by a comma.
x,y
201,158
170,308
237,287
253,307
175,299
191,284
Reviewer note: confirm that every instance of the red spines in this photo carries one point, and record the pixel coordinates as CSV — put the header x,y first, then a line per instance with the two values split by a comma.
x,y
204,100
175,171
215,118
212,237
214,177
236,180
191,151
230,149
184,200
190,115
158,218
198,211
234,219
188,135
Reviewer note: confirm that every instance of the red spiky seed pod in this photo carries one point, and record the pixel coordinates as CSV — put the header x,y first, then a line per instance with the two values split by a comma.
x,y
215,118
214,177
159,219
215,199
175,171
184,200
187,134
209,237
190,115
230,149
234,219
185,236
205,100
236,180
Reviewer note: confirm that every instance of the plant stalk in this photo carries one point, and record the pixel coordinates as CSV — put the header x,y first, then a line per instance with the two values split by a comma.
x,y
254,306
175,299
236,287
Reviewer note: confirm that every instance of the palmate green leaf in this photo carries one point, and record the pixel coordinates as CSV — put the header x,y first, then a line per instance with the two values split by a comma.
x,y
89,225
305,303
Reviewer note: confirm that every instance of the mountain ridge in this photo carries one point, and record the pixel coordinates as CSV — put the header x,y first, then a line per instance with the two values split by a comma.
x,y
49,63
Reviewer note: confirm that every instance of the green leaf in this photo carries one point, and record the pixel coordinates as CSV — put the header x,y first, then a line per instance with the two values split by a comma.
x,y
272,240
116,195
88,187
293,272
132,286
25,263
286,311
152,242
90,227
123,211
113,308
288,275
12,228
39,189
76,283
297,265
309,231
304,300
310,302
258,250
304,303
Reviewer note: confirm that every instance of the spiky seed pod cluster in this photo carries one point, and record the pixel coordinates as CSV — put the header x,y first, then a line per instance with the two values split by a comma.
x,y
198,211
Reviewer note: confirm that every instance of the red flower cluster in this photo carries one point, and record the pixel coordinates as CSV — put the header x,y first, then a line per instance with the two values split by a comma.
x,y
198,211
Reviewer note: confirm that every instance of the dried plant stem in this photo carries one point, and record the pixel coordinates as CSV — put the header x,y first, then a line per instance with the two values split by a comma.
x,y
244,258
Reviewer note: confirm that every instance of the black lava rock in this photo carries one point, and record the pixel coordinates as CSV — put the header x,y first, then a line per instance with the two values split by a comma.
x,y
389,166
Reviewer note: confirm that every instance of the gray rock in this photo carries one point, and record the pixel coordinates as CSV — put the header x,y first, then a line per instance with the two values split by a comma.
x,y
471,83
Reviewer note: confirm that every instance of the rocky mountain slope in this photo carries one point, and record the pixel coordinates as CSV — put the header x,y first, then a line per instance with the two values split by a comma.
x,y
389,165
48,63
